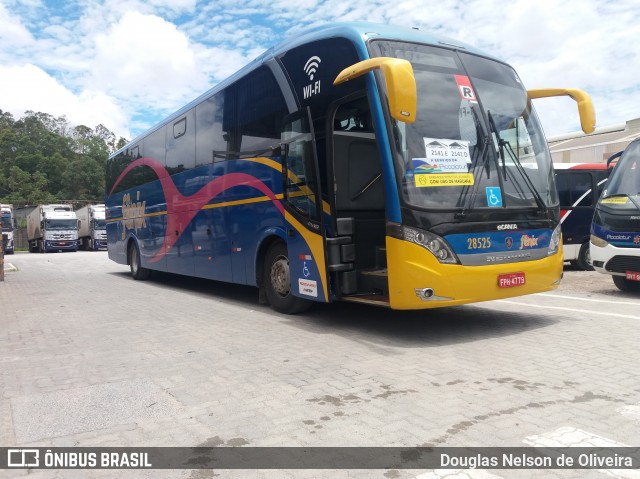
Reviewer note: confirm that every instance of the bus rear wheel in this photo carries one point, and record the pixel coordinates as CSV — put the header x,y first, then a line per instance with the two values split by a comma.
x,y
624,284
137,271
277,282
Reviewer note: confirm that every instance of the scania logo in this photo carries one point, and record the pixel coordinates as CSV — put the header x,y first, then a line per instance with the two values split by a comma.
x,y
508,226
509,242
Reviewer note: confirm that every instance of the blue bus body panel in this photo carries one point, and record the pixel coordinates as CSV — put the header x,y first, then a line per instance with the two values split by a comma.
x,y
211,226
201,222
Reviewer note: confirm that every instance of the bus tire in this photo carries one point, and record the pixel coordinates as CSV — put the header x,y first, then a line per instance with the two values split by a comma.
x,y
623,284
277,282
137,271
584,258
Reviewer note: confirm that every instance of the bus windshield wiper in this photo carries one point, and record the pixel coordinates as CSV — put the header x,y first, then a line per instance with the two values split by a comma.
x,y
500,142
505,145
469,191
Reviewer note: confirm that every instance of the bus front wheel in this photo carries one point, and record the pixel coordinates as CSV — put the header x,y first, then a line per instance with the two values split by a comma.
x,y
277,282
625,284
584,257
137,271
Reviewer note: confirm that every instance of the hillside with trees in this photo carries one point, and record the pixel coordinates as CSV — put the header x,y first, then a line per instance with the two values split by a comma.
x,y
44,159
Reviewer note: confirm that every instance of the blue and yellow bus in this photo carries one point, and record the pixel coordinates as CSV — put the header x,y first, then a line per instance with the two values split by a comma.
x,y
355,162
615,231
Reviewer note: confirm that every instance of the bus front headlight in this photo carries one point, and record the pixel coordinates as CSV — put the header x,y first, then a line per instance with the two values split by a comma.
x,y
554,242
432,242
597,241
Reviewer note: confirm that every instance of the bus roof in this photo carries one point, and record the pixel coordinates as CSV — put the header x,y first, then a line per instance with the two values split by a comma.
x,y
358,32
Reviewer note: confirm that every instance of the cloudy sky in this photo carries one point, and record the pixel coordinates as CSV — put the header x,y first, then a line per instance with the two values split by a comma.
x,y
126,64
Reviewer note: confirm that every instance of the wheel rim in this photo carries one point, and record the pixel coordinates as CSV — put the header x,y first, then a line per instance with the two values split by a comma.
x,y
280,275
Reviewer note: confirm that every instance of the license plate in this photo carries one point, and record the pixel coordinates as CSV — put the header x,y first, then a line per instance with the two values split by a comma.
x,y
509,280
633,276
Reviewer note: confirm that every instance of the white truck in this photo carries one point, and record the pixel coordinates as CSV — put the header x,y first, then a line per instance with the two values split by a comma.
x,y
92,228
52,228
8,225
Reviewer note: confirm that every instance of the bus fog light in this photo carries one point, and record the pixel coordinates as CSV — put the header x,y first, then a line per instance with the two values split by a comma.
x,y
426,293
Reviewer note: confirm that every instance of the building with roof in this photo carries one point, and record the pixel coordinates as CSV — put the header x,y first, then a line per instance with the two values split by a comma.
x,y
595,147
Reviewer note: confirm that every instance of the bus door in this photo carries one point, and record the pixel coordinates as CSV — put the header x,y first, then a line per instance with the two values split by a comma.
x,y
357,254
303,209
579,186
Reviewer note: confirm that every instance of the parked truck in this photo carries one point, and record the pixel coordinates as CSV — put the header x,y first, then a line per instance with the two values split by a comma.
x,y
52,228
92,228
8,225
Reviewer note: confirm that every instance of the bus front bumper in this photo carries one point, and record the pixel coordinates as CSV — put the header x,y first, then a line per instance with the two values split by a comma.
x,y
417,280
613,260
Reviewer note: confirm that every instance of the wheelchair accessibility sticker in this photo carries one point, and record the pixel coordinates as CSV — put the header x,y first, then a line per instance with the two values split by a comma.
x,y
494,196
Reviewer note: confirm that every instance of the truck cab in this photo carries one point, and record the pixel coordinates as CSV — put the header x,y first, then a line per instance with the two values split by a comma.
x,y
52,228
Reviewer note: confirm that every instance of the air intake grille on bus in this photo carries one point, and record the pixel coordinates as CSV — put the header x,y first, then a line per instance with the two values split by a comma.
x,y
621,264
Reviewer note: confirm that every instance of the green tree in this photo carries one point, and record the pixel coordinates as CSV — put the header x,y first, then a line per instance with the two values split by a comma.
x,y
44,159
27,188
83,180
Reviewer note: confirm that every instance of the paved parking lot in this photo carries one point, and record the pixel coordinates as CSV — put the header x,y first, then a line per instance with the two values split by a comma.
x,y
88,357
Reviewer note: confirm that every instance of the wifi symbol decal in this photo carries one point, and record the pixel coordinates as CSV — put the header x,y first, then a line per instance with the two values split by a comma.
x,y
311,67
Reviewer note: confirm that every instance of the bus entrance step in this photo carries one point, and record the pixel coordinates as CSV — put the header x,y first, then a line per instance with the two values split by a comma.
x,y
368,299
373,280
375,272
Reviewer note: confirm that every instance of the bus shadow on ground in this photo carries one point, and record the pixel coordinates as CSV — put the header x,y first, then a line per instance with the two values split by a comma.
x,y
371,324
433,327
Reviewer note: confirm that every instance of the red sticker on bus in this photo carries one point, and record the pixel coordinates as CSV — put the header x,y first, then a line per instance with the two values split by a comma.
x,y
509,280
464,85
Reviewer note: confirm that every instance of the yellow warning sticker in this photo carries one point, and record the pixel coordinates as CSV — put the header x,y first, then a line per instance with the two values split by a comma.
x,y
615,200
444,179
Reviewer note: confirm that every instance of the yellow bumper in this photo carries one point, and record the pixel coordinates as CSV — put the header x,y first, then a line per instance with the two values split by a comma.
x,y
412,268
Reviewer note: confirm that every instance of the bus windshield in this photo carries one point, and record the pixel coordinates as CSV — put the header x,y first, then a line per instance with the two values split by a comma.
x,y
476,141
6,224
625,179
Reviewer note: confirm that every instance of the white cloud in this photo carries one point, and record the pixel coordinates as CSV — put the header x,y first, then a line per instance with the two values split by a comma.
x,y
13,34
146,60
27,87
153,56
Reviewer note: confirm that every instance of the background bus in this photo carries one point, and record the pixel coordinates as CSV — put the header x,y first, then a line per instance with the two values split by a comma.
x,y
354,162
579,187
615,232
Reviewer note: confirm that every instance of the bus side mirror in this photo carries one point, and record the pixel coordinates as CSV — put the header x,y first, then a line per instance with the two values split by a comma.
x,y
401,84
585,106
613,159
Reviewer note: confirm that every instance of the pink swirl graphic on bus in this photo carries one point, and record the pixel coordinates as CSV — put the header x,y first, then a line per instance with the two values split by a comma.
x,y
181,209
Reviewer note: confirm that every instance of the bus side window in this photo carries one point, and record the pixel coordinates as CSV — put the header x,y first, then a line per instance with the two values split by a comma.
x,y
574,188
564,192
